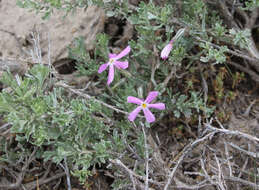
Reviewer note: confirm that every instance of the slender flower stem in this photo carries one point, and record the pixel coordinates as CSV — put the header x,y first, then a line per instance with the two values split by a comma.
x,y
86,96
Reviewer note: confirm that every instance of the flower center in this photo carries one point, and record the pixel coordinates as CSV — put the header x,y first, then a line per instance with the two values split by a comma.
x,y
111,61
144,105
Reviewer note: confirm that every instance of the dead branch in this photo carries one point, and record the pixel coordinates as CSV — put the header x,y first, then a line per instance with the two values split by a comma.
x,y
242,181
155,65
253,74
66,169
4,127
146,156
186,150
227,15
21,175
227,157
181,185
33,185
229,132
118,163
252,154
205,172
220,178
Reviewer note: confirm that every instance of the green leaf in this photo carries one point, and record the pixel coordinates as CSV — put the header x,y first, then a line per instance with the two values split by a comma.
x,y
40,72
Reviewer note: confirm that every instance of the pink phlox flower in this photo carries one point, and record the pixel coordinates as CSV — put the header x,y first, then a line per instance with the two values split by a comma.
x,y
145,105
113,61
166,50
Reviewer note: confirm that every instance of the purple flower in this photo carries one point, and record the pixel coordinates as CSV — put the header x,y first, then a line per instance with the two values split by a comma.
x,y
145,105
166,50
113,61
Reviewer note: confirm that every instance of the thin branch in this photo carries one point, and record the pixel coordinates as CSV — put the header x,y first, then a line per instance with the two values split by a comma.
x,y
36,53
243,167
168,78
4,126
252,154
205,172
253,74
49,51
153,70
33,185
239,180
117,162
20,177
146,156
248,109
133,181
221,183
86,96
227,15
66,169
186,150
229,132
227,156
181,185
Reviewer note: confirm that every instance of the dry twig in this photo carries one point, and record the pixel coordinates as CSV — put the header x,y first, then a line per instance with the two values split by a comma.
x,y
118,163
229,132
220,178
239,180
146,156
186,150
66,169
33,185
227,156
249,153
21,175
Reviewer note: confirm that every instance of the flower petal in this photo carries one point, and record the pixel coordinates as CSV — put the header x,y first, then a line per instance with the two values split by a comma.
x,y
151,96
159,106
165,52
123,53
134,113
149,116
134,100
112,55
121,64
111,74
102,68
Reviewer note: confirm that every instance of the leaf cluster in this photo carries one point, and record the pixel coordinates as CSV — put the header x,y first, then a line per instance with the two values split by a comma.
x,y
69,128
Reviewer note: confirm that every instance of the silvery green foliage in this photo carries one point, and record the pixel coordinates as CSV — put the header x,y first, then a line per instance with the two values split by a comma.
x,y
213,54
69,127
187,105
240,37
251,5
